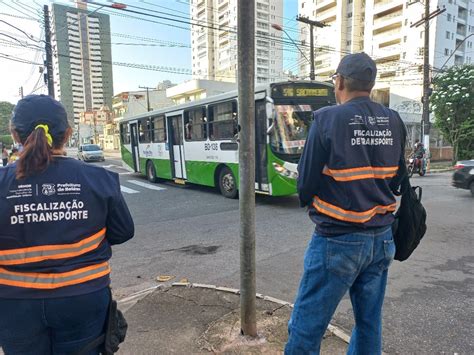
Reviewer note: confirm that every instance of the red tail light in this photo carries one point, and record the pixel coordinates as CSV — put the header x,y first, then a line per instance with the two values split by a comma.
x,y
459,166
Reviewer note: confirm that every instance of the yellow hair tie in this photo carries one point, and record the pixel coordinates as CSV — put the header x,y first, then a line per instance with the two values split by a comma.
x,y
46,133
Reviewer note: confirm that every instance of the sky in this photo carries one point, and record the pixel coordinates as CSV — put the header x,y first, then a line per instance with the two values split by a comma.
x,y
144,43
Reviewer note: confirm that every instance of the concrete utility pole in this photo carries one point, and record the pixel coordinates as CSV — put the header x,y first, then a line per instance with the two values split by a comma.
x,y
425,117
147,97
311,24
246,84
49,52
425,125
21,91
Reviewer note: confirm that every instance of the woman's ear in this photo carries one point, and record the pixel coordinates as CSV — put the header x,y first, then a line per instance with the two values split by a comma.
x,y
67,135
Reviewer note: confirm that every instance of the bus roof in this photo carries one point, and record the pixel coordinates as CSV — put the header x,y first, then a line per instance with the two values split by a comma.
x,y
215,98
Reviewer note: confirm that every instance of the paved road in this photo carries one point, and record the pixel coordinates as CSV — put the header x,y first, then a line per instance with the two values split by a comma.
x,y
192,232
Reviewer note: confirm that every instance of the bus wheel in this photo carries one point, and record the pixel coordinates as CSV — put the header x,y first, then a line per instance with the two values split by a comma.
x,y
227,183
151,172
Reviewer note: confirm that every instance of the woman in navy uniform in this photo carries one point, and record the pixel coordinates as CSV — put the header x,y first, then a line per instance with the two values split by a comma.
x,y
58,219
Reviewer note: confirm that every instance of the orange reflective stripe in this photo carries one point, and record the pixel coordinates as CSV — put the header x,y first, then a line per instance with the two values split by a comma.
x,y
350,216
48,252
365,172
56,280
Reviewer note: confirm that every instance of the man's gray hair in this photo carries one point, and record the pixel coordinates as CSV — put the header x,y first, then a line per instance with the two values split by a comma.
x,y
358,85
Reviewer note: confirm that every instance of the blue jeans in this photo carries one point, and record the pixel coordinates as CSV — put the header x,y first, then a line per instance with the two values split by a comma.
x,y
357,263
53,325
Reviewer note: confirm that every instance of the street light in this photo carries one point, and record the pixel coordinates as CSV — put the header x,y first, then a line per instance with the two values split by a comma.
x,y
118,5
279,28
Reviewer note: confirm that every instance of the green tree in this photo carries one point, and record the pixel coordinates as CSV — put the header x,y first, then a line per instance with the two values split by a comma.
x,y
6,109
452,103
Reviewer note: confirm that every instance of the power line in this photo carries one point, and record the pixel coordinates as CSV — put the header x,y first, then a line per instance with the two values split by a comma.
x,y
276,39
19,29
213,8
13,8
188,22
20,17
16,59
19,45
26,8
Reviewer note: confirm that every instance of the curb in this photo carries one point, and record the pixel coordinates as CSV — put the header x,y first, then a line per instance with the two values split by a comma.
x,y
135,297
444,170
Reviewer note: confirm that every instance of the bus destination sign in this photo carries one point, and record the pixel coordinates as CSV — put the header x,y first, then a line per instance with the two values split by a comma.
x,y
302,91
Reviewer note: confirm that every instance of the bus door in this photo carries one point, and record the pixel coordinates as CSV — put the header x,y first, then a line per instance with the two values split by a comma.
x,y
261,173
175,126
134,145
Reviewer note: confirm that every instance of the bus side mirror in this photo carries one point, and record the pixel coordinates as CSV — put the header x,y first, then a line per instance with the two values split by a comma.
x,y
270,111
271,126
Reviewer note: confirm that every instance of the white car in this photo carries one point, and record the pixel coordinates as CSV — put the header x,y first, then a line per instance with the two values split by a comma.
x,y
90,152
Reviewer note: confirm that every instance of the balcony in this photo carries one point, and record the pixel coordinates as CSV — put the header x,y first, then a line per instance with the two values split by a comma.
x,y
326,15
322,64
381,36
387,6
223,5
387,23
388,51
460,47
387,56
462,14
458,60
322,5
388,38
461,30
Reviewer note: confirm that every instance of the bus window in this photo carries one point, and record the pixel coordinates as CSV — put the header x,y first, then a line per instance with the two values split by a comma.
x,y
223,120
144,130
195,125
125,133
159,132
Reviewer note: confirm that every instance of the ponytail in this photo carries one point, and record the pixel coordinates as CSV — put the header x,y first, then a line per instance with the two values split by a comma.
x,y
36,154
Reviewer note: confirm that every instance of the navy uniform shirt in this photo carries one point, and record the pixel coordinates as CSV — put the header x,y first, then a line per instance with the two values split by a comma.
x,y
351,163
56,229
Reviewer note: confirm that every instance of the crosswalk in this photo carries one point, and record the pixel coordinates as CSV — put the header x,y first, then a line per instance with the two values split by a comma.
x,y
132,186
146,185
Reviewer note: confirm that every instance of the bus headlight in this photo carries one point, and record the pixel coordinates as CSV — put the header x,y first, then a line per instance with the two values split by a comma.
x,y
284,171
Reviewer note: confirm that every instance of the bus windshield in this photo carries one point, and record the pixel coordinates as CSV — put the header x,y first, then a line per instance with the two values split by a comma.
x,y
291,128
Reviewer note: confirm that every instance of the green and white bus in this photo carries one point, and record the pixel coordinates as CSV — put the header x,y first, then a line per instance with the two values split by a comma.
x,y
197,142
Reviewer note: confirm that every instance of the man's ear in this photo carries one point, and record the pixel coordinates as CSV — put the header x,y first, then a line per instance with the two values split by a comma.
x,y
340,85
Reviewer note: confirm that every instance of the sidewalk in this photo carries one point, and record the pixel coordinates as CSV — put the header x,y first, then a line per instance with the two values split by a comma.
x,y
112,154
202,319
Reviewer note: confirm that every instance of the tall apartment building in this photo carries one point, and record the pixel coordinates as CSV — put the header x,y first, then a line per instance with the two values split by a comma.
x,y
81,59
214,44
381,28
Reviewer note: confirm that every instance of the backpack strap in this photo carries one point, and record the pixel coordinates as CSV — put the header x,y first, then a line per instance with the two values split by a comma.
x,y
91,346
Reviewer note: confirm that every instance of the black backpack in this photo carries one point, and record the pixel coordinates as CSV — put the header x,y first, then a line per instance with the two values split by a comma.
x,y
114,333
409,226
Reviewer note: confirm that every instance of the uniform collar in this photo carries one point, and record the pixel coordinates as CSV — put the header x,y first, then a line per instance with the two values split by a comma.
x,y
359,99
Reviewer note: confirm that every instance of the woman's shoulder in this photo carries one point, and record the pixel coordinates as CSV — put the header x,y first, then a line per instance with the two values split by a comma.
x,y
87,168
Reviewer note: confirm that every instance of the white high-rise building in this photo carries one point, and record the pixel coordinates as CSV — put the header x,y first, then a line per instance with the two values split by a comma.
x,y
82,59
382,29
214,44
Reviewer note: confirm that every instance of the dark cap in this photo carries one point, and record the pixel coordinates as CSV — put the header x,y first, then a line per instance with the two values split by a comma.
x,y
358,66
39,109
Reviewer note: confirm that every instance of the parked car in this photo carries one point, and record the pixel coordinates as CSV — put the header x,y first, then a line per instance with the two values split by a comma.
x,y
463,177
90,152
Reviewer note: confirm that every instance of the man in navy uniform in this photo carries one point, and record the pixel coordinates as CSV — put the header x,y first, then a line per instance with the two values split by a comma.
x,y
349,168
